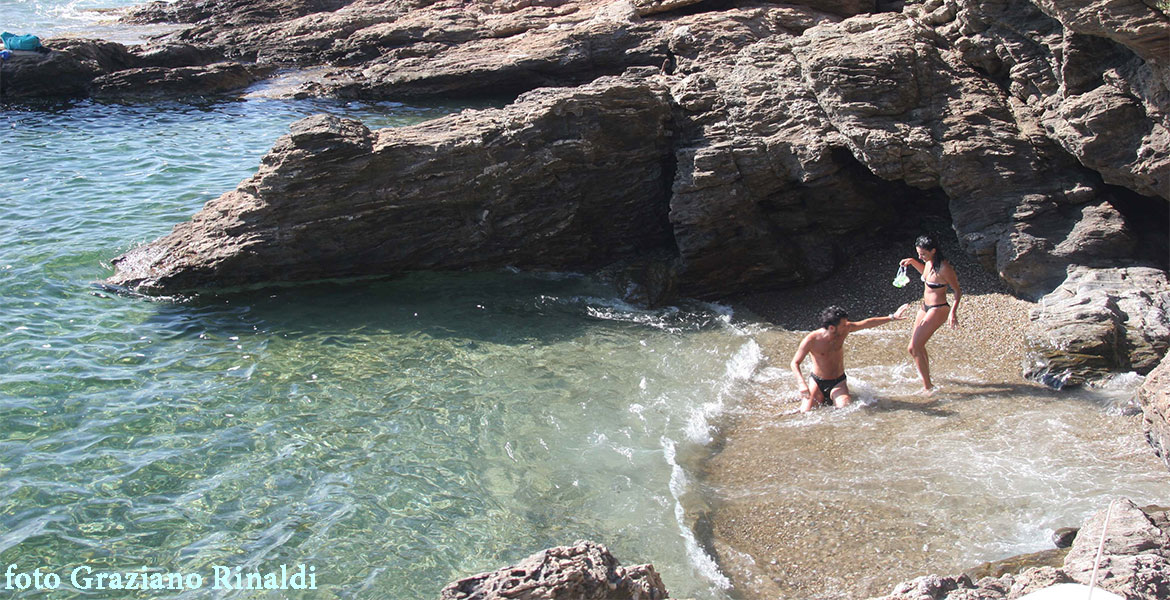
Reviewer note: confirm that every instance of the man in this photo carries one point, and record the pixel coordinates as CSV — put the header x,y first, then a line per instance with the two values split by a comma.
x,y
827,348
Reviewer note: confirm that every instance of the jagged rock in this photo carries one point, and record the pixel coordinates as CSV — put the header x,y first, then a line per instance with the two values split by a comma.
x,y
150,82
66,70
571,178
1087,73
768,132
1135,563
230,12
1015,564
576,51
1136,25
650,7
583,571
1154,398
791,128
1136,559
1098,321
929,587
175,55
79,67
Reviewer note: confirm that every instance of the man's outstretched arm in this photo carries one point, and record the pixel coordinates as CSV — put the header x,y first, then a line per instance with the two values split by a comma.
x,y
876,321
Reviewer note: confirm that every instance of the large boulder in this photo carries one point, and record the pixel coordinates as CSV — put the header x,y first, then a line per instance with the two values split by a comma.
x,y
66,68
1097,322
583,571
567,178
1135,560
1154,399
1134,563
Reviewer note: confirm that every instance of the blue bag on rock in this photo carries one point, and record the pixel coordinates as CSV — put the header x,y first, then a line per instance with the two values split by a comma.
x,y
20,42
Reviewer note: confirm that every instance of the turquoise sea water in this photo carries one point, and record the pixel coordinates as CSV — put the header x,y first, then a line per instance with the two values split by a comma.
x,y
395,435
392,435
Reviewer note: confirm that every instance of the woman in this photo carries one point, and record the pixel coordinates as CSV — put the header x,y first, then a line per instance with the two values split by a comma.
x,y
937,274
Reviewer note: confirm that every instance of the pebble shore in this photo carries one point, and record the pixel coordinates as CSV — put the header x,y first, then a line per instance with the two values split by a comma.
x,y
778,546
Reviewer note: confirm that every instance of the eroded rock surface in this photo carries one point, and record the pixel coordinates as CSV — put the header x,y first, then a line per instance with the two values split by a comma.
x,y
1043,127
1154,399
566,178
1135,563
583,571
77,68
1099,321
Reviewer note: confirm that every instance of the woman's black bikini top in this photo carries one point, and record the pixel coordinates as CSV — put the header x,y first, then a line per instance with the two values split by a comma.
x,y
931,284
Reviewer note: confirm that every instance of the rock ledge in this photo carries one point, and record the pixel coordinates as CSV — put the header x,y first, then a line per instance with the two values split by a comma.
x,y
584,571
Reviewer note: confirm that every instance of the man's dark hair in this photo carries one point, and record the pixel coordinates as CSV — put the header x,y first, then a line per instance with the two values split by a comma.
x,y
832,316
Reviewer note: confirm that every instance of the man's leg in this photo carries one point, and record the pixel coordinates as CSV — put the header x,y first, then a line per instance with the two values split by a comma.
x,y
840,395
814,398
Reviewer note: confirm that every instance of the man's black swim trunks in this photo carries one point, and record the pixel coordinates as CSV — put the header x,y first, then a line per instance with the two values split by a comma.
x,y
827,385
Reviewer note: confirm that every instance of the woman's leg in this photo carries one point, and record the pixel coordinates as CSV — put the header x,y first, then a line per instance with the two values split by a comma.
x,y
925,325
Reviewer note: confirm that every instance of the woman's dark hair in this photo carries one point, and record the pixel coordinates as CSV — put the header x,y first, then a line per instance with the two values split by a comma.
x,y
927,241
832,316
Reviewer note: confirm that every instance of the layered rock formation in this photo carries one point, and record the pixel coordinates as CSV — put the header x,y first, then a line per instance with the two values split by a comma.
x,y
76,68
781,131
1154,399
565,178
1135,563
1100,321
583,571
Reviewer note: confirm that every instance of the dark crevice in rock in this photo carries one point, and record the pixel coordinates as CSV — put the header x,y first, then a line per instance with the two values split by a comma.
x,y
705,6
669,172
1148,219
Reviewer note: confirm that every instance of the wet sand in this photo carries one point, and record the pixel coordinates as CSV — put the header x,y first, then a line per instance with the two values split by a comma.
x,y
842,504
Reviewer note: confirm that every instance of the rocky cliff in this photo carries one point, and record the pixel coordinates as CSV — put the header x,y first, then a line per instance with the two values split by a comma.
x,y
725,146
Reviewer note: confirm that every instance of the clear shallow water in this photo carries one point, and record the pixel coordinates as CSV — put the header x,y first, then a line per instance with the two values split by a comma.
x,y
394,435
76,18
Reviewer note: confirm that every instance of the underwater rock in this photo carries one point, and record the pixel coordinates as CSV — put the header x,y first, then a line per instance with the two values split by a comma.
x,y
1100,321
584,571
1154,398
